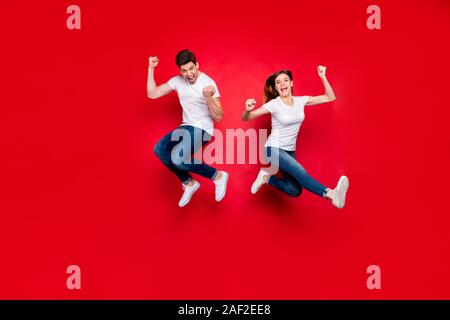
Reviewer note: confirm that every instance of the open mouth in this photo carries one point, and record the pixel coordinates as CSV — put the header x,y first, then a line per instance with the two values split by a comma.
x,y
283,90
190,78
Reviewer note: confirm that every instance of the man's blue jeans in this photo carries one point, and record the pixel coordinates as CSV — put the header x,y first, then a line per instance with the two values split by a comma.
x,y
295,177
176,150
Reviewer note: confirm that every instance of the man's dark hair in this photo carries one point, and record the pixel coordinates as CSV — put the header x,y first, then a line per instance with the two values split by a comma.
x,y
185,56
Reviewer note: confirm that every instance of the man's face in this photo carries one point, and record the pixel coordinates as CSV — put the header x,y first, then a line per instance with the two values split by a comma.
x,y
189,71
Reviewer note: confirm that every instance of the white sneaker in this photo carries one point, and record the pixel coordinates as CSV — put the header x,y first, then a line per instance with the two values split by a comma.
x,y
221,186
259,181
188,193
339,192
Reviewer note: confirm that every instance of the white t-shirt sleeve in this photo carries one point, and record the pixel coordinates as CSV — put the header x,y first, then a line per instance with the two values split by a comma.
x,y
217,93
303,99
269,106
174,83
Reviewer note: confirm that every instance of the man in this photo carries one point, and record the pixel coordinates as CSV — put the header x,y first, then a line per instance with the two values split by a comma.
x,y
200,100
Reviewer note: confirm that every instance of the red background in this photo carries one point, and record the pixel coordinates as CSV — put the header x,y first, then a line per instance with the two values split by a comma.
x,y
80,183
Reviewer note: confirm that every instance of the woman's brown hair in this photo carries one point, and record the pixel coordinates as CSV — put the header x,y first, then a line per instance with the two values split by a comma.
x,y
269,88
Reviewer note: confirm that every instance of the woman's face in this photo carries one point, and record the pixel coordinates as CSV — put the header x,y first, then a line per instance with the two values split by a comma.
x,y
283,85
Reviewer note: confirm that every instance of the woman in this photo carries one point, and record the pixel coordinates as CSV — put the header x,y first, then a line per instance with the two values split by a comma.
x,y
287,115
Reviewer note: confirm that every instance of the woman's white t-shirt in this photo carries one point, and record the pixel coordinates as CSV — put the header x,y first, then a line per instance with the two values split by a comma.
x,y
286,122
195,109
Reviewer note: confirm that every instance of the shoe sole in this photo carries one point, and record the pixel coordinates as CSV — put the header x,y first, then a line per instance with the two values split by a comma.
x,y
342,186
225,189
189,199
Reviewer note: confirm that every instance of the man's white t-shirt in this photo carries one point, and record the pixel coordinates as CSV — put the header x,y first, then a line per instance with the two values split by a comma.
x,y
195,109
286,122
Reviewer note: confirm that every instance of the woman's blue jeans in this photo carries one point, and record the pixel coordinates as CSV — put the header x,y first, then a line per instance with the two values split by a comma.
x,y
295,177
